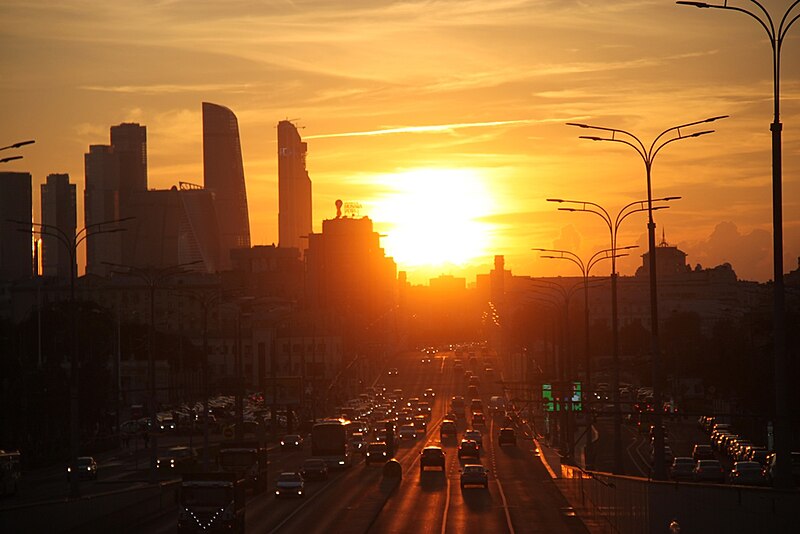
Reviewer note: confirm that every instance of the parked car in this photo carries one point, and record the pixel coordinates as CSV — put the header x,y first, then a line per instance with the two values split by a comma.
x,y
474,475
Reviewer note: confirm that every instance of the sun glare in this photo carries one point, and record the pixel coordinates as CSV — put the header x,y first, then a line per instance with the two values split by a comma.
x,y
432,216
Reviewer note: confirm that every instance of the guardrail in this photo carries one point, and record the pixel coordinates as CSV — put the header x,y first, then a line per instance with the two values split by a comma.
x,y
633,505
102,512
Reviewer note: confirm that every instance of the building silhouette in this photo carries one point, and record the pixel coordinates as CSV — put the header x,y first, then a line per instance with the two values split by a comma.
x,y
224,177
59,212
294,189
15,245
129,141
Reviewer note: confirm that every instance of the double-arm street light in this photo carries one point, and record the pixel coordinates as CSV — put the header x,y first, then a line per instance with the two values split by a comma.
x,y
153,277
15,145
648,155
71,243
782,428
613,224
585,268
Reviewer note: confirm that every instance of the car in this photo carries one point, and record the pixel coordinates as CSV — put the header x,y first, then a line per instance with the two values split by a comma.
x,y
424,408
290,483
429,393
476,405
468,448
474,435
478,420
432,456
377,452
408,431
507,436
708,471
447,429
393,371
357,442
702,452
681,468
747,473
474,475
166,423
85,467
177,459
421,423
291,441
314,469
769,467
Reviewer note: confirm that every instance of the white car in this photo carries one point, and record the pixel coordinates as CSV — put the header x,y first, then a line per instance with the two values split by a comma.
x,y
290,483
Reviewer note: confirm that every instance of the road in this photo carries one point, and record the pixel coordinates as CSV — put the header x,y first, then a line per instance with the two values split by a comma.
x,y
521,496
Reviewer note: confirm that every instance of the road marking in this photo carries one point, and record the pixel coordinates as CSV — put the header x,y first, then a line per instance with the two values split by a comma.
x,y
544,460
302,506
446,504
505,505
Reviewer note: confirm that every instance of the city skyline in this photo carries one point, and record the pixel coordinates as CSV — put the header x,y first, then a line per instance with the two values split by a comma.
x,y
454,109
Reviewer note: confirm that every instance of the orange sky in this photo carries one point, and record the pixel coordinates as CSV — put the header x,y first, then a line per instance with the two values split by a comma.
x,y
474,96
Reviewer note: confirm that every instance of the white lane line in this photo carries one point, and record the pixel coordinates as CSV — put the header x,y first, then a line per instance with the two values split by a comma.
x,y
505,505
446,504
302,506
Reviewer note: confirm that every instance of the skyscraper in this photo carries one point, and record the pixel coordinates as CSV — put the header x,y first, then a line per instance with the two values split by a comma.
x,y
224,176
58,213
294,189
101,203
129,141
15,245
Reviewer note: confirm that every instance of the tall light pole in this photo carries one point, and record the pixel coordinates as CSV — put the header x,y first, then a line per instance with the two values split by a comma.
x,y
613,228
585,268
648,155
71,243
776,36
15,145
153,277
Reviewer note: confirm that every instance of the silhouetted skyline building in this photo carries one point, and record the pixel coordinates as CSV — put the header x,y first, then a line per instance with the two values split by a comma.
x,y
16,247
129,141
223,174
59,211
101,203
294,189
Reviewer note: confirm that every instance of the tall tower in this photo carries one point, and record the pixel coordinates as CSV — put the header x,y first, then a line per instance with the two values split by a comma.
x,y
294,189
224,176
58,211
15,246
129,141
101,203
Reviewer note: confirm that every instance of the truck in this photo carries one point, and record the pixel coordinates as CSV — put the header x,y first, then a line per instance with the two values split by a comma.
x,y
247,460
211,502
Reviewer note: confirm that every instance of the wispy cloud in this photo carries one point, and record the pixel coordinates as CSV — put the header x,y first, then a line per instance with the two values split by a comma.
x,y
171,88
433,128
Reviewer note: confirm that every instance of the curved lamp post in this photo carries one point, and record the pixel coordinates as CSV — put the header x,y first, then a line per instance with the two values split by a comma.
x,y
585,268
613,224
15,145
776,36
648,155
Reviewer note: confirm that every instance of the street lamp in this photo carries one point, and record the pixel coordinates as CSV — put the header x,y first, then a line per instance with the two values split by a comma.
x,y
613,227
71,242
648,155
15,145
776,36
153,277
585,268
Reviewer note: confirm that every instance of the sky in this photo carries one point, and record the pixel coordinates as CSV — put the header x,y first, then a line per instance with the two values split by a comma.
x,y
445,120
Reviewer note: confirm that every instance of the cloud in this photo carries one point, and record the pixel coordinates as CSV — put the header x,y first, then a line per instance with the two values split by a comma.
x,y
749,253
171,88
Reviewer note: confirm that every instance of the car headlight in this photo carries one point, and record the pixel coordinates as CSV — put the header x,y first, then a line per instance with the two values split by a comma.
x,y
89,468
69,470
341,462
282,443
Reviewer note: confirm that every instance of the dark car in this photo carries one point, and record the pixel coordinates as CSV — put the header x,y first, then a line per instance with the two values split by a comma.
x,y
178,460
447,430
85,467
431,456
708,471
469,449
314,469
702,452
508,436
377,452
474,475
291,441
682,468
747,473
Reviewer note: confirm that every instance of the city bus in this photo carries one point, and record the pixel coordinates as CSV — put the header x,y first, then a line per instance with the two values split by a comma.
x,y
330,441
10,472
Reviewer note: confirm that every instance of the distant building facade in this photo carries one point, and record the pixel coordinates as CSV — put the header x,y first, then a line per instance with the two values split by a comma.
x,y
129,142
15,245
294,189
59,212
223,175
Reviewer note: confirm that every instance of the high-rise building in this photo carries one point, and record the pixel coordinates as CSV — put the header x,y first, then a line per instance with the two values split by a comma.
x,y
294,189
224,177
101,203
15,245
59,216
129,141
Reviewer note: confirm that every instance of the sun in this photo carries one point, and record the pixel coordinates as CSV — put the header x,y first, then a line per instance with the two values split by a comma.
x,y
432,217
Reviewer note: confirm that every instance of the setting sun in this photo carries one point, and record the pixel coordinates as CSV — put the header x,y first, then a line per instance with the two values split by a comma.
x,y
432,217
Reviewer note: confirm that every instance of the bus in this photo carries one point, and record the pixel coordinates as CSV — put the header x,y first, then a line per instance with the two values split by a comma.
x,y
10,472
330,441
